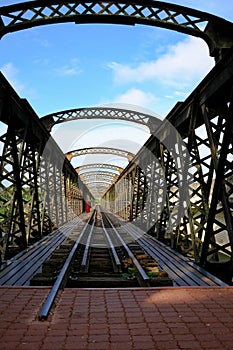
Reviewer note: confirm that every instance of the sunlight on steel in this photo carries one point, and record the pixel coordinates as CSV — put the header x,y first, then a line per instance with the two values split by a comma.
x,y
99,177
95,166
99,150
100,112
99,173
216,31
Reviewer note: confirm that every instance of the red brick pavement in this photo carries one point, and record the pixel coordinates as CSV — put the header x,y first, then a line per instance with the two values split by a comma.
x,y
115,319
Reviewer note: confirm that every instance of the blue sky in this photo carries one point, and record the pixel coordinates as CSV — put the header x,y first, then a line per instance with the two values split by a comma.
x,y
64,66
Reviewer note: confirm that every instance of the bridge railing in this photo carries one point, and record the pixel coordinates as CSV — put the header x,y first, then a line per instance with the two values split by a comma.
x,y
39,188
150,188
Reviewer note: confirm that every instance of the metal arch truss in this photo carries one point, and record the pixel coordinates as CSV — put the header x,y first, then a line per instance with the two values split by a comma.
x,y
110,167
99,150
111,113
214,30
101,184
90,180
39,189
96,178
99,175
150,194
98,188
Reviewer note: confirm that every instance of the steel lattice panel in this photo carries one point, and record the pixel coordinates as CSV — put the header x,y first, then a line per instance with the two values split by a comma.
x,y
39,188
204,231
201,24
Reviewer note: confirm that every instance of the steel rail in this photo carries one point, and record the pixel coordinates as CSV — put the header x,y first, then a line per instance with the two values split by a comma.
x,y
87,246
24,265
207,277
111,245
159,256
141,271
162,257
164,254
61,279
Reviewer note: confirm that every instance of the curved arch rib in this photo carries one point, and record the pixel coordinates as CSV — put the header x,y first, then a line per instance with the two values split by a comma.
x,y
112,167
98,178
216,31
94,174
99,150
98,188
98,181
101,184
112,113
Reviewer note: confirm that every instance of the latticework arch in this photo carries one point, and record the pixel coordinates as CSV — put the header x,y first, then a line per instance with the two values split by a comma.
x,y
216,31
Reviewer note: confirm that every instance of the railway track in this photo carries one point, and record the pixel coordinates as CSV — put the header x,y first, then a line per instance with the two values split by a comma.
x,y
19,270
104,256
99,250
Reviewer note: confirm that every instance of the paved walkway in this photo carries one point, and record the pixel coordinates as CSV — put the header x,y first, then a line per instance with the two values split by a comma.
x,y
115,319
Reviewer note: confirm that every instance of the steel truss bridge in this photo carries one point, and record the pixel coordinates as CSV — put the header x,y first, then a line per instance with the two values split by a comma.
x,y
95,166
100,113
187,207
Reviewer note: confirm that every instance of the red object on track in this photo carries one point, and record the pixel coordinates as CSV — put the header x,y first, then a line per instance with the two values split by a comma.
x,y
88,206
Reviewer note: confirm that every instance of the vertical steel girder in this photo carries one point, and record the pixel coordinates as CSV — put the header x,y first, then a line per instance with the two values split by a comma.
x,y
204,233
219,226
39,189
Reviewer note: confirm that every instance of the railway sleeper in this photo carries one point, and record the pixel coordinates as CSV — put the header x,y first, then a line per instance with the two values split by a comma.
x,y
100,270
51,267
158,277
101,281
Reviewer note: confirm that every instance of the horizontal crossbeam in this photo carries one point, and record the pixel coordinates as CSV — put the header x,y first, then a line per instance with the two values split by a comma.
x,y
216,31
111,113
112,167
99,150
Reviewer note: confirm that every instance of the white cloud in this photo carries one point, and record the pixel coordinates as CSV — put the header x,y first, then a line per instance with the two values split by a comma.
x,y
183,63
70,69
11,73
41,61
136,97
66,70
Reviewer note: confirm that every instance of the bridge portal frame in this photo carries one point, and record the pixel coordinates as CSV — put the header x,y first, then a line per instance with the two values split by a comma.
x,y
216,31
95,166
100,112
99,150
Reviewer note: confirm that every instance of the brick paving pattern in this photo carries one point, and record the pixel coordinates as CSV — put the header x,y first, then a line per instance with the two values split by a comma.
x,y
118,319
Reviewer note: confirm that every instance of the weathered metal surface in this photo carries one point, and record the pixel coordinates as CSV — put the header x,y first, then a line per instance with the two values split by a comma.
x,y
39,188
102,166
99,150
98,175
111,113
96,178
216,31
152,199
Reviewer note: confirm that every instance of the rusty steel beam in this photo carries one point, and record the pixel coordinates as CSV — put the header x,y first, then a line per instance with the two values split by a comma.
x,y
95,166
204,121
216,31
97,176
99,150
100,112
39,188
